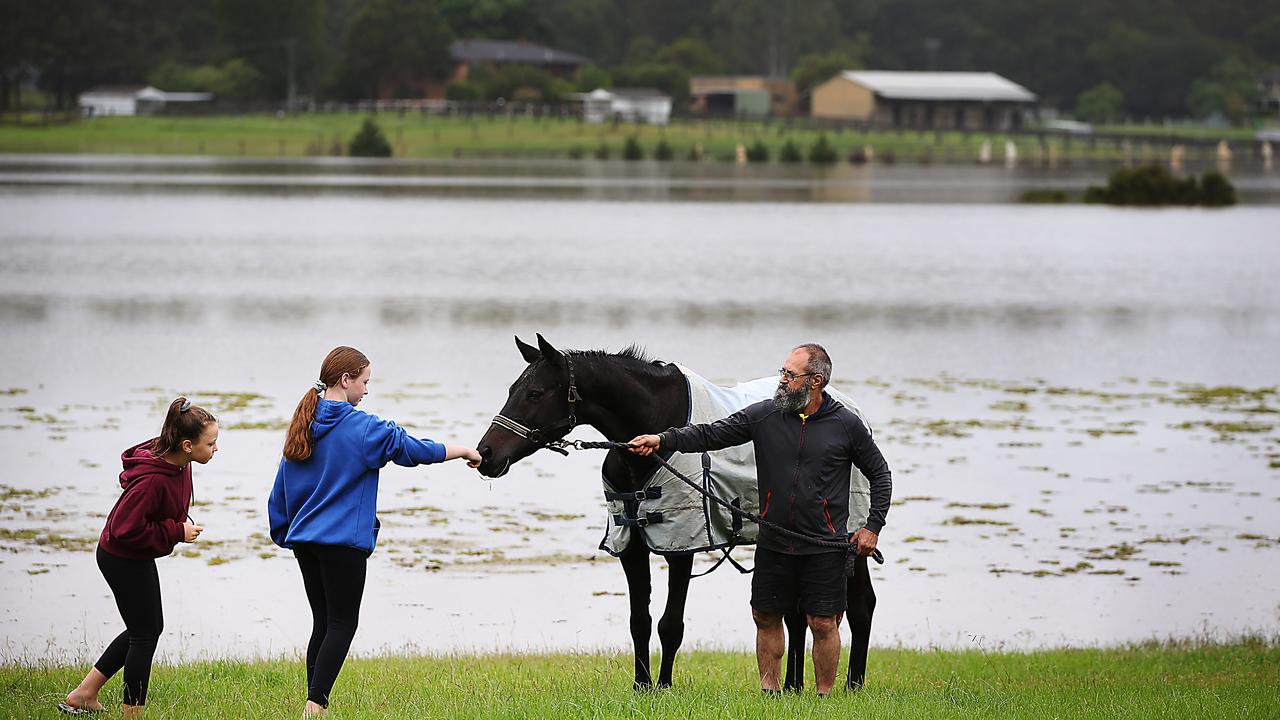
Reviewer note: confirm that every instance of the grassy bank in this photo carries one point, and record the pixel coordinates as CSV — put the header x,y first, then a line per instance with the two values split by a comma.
x,y
1150,681
414,135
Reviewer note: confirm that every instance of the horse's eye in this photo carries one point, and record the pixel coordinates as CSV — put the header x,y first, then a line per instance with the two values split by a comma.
x,y
534,394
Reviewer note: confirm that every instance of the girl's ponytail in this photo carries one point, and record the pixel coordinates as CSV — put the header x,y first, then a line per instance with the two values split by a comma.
x,y
297,443
342,360
183,421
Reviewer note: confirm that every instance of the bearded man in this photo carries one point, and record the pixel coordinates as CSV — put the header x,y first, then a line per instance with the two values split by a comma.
x,y
805,444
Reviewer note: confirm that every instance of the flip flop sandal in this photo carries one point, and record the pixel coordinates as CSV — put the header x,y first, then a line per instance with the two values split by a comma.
x,y
73,710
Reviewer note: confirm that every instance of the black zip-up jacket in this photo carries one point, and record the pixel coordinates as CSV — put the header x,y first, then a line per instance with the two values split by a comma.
x,y
802,465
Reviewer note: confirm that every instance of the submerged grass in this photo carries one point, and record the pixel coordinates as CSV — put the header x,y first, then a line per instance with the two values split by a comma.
x,y
1146,681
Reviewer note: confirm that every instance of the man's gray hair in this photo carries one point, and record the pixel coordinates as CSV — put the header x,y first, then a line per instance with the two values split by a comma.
x,y
819,361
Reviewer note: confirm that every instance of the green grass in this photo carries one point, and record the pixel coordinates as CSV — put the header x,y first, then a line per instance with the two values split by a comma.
x,y
418,136
1236,680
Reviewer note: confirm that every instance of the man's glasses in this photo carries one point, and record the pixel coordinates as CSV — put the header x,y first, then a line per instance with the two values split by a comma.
x,y
788,376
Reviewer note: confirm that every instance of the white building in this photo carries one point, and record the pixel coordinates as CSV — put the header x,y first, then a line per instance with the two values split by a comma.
x,y
628,104
105,100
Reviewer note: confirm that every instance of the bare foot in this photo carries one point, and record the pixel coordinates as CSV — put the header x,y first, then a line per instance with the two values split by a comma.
x,y
314,710
84,702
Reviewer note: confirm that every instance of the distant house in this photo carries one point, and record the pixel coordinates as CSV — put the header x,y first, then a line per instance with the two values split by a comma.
x,y
107,100
741,95
644,105
923,100
467,54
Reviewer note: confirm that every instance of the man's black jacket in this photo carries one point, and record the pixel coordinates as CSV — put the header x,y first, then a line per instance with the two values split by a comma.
x,y
803,466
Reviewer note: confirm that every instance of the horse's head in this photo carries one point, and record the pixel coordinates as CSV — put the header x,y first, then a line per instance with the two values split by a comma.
x,y
538,410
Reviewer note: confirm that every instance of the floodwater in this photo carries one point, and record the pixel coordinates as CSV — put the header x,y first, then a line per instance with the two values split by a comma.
x,y
1079,403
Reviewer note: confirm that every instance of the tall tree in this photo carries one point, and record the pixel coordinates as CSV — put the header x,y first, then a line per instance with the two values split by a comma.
x,y
392,44
283,39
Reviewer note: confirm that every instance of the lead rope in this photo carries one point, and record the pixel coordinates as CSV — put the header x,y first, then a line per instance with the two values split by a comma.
x,y
609,445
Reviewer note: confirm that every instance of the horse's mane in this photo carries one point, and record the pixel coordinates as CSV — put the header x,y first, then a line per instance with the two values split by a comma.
x,y
633,355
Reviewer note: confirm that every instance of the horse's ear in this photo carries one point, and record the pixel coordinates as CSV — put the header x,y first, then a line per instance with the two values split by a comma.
x,y
549,353
530,353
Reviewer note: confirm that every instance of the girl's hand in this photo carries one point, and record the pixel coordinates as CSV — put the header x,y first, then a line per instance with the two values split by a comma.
x,y
473,458
191,531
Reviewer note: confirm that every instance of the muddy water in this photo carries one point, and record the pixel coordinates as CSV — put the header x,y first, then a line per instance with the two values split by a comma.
x,y
1079,404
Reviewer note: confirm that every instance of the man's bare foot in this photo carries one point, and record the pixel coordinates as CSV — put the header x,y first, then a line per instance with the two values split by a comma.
x,y
132,711
84,702
314,710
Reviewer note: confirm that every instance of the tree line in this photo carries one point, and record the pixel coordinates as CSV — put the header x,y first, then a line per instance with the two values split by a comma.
x,y
1099,58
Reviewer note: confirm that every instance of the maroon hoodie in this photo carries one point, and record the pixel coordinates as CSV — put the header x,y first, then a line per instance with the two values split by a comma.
x,y
146,522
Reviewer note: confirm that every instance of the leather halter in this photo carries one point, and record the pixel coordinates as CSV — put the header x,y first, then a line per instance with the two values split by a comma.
x,y
542,436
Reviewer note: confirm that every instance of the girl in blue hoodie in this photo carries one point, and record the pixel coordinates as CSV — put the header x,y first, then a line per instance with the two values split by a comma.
x,y
147,522
323,502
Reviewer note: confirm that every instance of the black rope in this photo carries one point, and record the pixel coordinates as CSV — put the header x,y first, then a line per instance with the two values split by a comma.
x,y
609,445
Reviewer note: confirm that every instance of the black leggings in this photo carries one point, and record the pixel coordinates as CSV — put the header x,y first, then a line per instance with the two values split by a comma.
x,y
334,579
136,585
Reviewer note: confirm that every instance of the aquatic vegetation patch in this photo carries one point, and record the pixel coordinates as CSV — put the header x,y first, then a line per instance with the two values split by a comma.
x,y
13,391
958,520
979,506
45,539
1119,551
8,492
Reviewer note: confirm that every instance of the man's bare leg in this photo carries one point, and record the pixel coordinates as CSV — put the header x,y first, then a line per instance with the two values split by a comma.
x,y
770,644
826,650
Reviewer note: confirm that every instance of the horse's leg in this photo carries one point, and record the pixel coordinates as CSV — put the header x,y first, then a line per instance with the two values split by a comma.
x,y
862,604
635,563
671,626
796,629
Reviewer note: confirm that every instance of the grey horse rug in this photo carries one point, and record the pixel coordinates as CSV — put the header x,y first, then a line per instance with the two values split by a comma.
x,y
673,517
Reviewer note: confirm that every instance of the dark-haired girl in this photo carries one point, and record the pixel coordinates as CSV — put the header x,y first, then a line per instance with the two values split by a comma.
x,y
323,502
147,522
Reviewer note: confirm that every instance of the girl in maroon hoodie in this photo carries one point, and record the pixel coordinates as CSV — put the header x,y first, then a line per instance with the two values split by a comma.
x,y
148,520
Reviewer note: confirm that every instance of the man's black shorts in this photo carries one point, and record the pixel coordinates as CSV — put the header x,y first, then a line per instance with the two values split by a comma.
x,y
816,581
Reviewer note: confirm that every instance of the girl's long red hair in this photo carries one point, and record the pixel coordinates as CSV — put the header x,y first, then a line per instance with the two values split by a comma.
x,y
340,361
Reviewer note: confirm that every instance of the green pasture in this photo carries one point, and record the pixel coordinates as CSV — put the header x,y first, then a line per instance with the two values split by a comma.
x,y
416,135
1156,680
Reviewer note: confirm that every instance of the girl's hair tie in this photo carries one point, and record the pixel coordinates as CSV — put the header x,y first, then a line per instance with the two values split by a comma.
x,y
319,386
186,405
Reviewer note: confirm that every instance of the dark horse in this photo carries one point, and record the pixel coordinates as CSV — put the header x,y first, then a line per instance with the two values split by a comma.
x,y
623,395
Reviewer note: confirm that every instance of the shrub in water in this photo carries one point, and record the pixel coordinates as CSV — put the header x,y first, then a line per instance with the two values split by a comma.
x,y
632,150
1155,185
790,153
370,142
821,153
758,152
1216,190
1044,195
663,151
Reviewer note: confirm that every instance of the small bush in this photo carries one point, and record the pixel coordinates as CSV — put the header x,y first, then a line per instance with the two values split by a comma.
x,y
1044,195
663,151
758,152
369,141
632,150
602,152
1155,186
463,91
821,152
1216,190
576,152
790,153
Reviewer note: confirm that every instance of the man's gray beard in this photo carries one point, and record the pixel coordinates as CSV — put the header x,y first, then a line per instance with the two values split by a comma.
x,y
791,401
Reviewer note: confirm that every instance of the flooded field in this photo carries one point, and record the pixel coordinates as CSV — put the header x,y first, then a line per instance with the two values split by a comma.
x,y
1079,403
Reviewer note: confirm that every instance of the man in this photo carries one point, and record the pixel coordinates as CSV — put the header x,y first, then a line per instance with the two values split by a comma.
x,y
805,442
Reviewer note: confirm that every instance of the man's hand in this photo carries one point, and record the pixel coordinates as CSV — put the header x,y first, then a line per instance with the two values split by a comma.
x,y
644,445
865,540
191,531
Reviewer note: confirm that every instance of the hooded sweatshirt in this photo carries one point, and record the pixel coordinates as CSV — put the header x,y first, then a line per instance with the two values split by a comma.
x,y
331,497
146,522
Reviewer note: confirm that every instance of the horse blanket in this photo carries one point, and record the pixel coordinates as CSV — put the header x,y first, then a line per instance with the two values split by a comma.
x,y
682,520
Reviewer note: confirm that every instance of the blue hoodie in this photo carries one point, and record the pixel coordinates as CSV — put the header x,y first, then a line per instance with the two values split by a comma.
x,y
331,497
